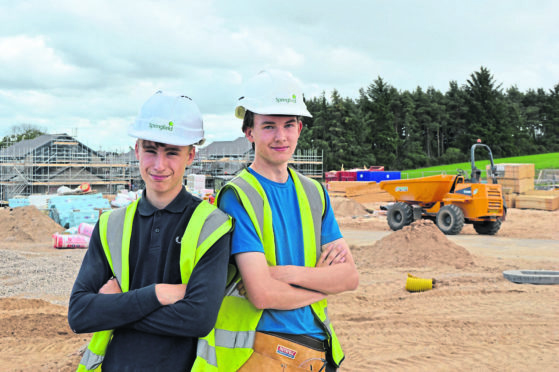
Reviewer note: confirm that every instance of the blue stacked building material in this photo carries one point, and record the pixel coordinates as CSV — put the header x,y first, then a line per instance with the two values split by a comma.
x,y
71,210
384,176
363,175
18,202
378,176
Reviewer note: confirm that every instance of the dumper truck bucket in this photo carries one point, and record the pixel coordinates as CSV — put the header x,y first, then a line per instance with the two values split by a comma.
x,y
425,190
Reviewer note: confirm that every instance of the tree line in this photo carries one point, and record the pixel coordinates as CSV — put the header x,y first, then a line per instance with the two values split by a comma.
x,y
21,132
408,130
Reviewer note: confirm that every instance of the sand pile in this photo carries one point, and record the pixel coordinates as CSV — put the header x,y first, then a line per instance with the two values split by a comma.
x,y
26,224
420,244
37,328
345,207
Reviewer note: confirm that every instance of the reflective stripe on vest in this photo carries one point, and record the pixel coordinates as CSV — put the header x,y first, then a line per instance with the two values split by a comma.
x,y
207,223
311,201
206,352
235,339
310,197
233,336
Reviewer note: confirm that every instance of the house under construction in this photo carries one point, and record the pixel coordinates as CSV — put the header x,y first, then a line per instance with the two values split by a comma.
x,y
43,164
222,160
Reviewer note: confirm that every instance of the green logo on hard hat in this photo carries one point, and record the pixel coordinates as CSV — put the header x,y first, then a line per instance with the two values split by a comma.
x,y
168,127
293,99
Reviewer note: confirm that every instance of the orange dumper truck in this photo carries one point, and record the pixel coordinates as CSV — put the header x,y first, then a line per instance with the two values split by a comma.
x,y
449,200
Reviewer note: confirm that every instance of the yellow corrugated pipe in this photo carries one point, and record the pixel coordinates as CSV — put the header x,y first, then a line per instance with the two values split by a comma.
x,y
415,284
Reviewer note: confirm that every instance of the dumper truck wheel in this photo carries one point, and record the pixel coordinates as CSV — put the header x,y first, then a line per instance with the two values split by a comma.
x,y
487,227
399,215
450,219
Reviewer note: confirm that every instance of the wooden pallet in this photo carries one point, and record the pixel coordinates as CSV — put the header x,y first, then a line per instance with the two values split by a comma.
x,y
518,186
544,201
361,192
515,171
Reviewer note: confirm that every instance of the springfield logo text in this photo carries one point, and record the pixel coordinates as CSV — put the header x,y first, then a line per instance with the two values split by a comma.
x,y
293,99
168,127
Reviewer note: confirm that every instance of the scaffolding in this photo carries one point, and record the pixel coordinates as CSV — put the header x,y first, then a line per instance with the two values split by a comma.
x,y
222,166
547,179
309,163
43,165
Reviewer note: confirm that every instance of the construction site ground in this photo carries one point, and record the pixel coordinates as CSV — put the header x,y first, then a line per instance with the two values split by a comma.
x,y
473,319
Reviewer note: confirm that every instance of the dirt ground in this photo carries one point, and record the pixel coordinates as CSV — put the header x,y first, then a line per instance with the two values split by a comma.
x,y
473,319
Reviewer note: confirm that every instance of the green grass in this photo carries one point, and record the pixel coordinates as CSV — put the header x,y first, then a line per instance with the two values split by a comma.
x,y
541,161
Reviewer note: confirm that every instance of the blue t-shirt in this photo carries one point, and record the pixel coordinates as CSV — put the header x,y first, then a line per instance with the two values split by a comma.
x,y
286,219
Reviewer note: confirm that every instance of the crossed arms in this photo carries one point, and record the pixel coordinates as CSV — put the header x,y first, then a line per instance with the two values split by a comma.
x,y
167,294
291,287
97,303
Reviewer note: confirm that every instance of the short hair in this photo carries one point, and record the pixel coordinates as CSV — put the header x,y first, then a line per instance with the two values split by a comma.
x,y
248,120
160,144
156,144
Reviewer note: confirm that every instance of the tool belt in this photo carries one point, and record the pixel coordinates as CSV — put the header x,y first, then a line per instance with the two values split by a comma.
x,y
286,353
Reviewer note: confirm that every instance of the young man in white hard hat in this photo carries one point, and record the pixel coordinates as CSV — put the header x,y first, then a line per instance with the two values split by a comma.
x,y
154,275
287,245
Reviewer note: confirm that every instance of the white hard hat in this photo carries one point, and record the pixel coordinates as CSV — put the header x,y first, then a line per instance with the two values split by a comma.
x,y
173,120
272,92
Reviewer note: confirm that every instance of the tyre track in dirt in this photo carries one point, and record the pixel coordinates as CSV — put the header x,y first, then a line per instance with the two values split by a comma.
x,y
31,327
474,319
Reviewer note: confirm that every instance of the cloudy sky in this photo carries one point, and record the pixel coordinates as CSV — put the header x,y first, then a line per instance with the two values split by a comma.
x,y
86,67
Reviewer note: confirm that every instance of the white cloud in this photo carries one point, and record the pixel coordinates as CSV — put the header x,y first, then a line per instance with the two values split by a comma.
x,y
222,127
30,63
91,65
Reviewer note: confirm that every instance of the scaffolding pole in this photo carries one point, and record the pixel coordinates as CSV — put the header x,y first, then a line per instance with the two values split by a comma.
x,y
60,162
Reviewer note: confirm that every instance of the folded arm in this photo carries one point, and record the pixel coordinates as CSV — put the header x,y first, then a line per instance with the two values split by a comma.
x,y
97,304
266,292
335,271
91,311
167,294
195,314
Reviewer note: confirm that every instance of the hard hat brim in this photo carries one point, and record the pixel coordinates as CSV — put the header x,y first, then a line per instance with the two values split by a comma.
x,y
241,110
166,139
